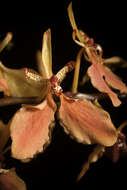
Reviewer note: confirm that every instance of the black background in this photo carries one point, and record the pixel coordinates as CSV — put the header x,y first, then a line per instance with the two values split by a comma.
x,y
60,164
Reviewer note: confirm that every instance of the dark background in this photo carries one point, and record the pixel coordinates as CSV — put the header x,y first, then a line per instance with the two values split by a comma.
x,y
60,164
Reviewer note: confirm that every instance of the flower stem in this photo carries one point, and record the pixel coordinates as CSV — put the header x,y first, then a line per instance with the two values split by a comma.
x,y
13,101
76,73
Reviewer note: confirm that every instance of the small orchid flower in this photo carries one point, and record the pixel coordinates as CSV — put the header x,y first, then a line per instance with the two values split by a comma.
x,y
100,75
32,125
113,152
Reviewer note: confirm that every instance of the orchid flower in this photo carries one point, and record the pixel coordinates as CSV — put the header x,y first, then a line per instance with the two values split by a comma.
x,y
113,152
32,125
100,75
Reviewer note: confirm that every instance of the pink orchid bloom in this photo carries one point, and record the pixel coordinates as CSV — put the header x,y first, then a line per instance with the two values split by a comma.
x,y
32,125
113,152
100,75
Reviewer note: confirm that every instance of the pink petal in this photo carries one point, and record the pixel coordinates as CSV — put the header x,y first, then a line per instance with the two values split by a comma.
x,y
31,130
112,79
99,83
86,122
10,181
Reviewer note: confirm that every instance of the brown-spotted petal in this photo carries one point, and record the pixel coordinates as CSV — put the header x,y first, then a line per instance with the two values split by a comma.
x,y
31,129
86,122
99,83
9,180
22,82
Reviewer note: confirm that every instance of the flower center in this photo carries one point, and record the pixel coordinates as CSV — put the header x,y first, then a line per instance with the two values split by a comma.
x,y
55,85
